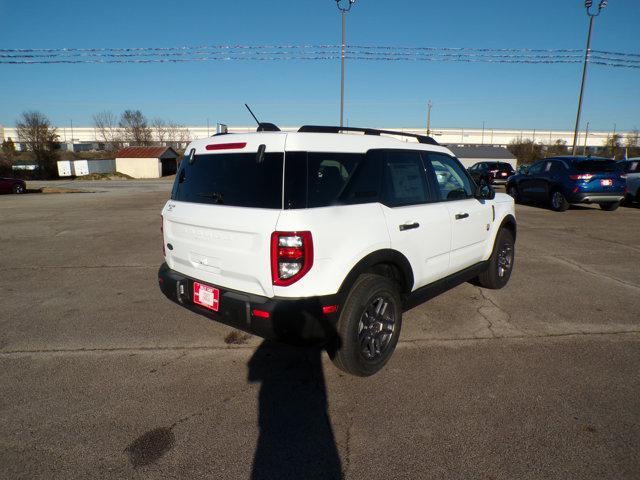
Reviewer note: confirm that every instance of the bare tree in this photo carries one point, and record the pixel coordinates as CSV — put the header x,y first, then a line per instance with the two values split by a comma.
x,y
632,143
8,151
526,150
107,131
178,136
612,145
558,148
35,132
38,136
135,128
161,130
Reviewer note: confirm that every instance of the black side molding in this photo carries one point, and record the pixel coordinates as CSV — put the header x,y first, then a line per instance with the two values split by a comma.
x,y
438,287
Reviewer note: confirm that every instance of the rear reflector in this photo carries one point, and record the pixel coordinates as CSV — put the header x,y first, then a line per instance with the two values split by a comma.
x,y
328,309
226,146
260,313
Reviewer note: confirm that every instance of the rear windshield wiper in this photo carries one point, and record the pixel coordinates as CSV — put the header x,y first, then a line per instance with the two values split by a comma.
x,y
215,196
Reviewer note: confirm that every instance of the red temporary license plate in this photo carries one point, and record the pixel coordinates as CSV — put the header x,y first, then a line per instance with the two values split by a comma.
x,y
206,296
606,183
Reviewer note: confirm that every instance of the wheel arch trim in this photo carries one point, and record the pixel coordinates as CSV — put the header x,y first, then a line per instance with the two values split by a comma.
x,y
379,257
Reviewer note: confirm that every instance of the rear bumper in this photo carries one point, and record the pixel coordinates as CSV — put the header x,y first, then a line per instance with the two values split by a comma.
x,y
590,197
289,319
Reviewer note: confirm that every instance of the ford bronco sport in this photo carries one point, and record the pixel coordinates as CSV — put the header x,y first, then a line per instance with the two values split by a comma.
x,y
328,234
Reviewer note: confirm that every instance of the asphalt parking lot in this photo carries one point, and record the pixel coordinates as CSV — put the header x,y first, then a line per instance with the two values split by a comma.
x,y
102,377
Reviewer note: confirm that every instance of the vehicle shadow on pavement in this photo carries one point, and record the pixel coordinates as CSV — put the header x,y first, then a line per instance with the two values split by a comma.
x,y
296,439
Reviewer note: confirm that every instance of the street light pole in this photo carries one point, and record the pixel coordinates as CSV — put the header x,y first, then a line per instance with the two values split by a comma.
x,y
343,10
429,107
588,4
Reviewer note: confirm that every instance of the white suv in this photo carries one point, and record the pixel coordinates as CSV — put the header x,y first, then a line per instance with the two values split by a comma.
x,y
327,234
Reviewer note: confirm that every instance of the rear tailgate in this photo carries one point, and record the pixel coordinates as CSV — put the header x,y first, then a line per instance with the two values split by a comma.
x,y
600,176
224,206
223,246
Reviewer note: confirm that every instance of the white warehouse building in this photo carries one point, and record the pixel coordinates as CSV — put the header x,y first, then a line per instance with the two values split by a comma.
x,y
83,136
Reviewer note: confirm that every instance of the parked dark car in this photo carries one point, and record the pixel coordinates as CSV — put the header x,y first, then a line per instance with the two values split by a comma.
x,y
632,168
562,181
491,172
12,185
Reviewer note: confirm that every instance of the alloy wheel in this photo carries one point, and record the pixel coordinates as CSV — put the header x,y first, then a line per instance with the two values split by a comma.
x,y
505,259
376,327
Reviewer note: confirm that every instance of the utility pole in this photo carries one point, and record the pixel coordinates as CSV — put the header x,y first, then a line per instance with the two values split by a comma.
x,y
588,4
343,10
208,127
72,148
586,136
429,107
482,133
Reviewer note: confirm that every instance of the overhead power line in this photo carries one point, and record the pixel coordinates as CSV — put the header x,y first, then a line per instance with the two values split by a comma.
x,y
320,52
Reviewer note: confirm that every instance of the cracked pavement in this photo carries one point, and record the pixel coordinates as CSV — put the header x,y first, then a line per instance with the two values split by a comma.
x,y
103,378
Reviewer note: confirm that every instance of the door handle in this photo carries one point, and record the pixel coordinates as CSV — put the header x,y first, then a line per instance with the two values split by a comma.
x,y
408,226
460,216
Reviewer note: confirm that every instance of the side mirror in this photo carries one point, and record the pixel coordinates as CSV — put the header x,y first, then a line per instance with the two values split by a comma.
x,y
485,192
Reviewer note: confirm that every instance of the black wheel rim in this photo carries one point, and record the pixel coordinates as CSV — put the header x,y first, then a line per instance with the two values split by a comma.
x,y
505,259
556,200
376,327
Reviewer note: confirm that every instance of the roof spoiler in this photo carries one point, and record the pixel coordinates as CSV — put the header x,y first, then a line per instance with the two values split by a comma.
x,y
366,131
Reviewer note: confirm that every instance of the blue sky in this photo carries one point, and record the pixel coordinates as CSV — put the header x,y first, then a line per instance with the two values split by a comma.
x,y
295,92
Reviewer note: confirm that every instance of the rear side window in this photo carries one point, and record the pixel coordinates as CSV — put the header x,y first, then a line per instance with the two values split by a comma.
x,y
596,166
328,174
632,166
236,180
315,179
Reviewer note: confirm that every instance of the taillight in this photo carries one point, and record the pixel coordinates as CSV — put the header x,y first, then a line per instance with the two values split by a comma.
x,y
584,176
164,252
291,256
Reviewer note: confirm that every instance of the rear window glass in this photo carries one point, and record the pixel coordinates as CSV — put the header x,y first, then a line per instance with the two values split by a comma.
x,y
237,180
596,166
505,166
321,179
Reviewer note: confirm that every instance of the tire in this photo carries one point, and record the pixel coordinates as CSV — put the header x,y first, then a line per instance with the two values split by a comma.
x,y
368,336
609,206
558,201
512,191
501,262
17,189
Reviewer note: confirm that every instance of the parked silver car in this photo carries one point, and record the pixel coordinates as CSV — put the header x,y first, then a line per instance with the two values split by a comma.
x,y
632,168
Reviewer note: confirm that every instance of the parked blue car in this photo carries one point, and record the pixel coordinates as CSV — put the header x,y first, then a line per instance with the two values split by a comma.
x,y
563,181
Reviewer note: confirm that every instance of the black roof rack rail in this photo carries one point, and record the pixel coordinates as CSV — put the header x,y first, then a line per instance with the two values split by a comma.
x,y
366,131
